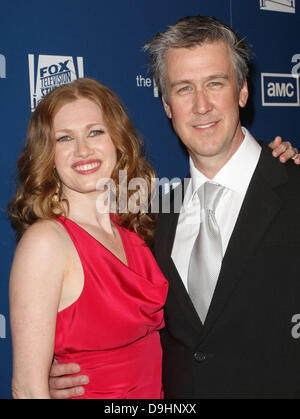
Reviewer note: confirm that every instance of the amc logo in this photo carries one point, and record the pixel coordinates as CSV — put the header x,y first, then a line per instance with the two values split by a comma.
x,y
280,89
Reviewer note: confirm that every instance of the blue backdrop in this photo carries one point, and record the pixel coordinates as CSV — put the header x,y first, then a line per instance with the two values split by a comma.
x,y
44,44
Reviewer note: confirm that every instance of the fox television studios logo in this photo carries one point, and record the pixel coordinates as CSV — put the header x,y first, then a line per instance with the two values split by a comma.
x,y
285,6
50,71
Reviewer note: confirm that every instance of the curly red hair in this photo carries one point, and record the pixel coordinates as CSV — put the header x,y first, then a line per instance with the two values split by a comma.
x,y
37,179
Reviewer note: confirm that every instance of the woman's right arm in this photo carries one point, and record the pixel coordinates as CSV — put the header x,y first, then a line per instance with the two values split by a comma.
x,y
35,289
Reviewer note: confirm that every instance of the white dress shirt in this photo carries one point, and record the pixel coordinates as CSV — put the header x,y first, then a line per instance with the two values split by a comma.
x,y
235,176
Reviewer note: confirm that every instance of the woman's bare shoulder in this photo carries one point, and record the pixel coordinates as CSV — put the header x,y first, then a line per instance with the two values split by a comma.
x,y
44,236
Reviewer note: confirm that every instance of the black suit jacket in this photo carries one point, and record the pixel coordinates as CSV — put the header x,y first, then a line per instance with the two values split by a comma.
x,y
246,348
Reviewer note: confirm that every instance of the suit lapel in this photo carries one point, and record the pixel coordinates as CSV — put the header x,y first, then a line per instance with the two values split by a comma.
x,y
259,208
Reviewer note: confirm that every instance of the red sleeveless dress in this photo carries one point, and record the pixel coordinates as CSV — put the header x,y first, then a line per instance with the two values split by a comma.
x,y
112,330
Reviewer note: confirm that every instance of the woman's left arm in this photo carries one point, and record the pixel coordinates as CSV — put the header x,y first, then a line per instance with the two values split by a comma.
x,y
35,289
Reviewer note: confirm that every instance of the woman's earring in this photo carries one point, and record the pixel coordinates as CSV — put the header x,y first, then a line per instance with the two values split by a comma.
x,y
56,197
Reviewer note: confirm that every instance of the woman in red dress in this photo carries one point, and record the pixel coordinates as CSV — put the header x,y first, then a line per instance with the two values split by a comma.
x,y
84,286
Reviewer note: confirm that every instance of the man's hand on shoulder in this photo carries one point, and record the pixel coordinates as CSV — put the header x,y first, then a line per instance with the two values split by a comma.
x,y
284,150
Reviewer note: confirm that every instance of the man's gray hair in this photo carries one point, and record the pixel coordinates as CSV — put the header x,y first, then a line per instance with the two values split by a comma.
x,y
189,32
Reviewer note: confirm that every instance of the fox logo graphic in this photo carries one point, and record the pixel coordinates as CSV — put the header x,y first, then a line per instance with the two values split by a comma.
x,y
286,6
51,71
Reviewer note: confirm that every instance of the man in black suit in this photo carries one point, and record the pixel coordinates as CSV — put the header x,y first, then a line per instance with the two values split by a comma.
x,y
233,298
234,339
